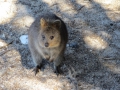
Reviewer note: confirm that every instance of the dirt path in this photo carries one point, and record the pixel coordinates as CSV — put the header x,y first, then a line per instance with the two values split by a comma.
x,y
92,54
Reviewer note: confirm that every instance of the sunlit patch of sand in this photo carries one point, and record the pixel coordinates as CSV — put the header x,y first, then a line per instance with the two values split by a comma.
x,y
111,65
33,84
7,11
2,43
94,41
15,76
22,22
109,4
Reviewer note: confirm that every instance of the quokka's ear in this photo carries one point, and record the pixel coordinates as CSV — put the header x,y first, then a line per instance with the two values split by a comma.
x,y
57,23
43,22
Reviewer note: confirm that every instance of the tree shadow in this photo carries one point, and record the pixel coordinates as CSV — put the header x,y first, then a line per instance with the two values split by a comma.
x,y
88,64
93,71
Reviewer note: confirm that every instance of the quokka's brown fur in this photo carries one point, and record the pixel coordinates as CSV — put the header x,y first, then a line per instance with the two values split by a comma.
x,y
47,39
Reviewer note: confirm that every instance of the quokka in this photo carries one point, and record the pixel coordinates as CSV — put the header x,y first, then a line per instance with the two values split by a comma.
x,y
47,38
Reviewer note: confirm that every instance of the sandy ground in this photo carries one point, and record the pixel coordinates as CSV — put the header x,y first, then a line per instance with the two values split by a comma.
x,y
92,54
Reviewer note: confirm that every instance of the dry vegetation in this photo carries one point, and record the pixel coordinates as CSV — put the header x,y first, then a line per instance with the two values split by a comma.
x,y
92,55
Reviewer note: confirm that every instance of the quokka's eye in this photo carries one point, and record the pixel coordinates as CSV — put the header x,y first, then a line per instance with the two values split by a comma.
x,y
51,37
43,37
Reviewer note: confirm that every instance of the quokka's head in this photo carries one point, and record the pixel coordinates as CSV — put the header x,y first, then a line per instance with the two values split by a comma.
x,y
49,33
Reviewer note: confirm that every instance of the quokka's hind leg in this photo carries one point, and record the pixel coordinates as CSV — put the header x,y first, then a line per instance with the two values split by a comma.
x,y
36,69
37,59
57,70
57,65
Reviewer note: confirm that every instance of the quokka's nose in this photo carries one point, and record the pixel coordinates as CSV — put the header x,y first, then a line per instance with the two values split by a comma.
x,y
46,44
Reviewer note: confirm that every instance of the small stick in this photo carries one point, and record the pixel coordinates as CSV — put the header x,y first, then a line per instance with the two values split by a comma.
x,y
80,7
4,52
7,44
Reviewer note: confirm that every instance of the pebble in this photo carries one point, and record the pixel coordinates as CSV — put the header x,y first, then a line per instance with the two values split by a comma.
x,y
74,45
67,45
3,35
24,39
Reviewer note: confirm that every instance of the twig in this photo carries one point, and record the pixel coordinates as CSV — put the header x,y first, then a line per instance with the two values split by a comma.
x,y
53,4
110,58
4,52
80,8
7,44
1,53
